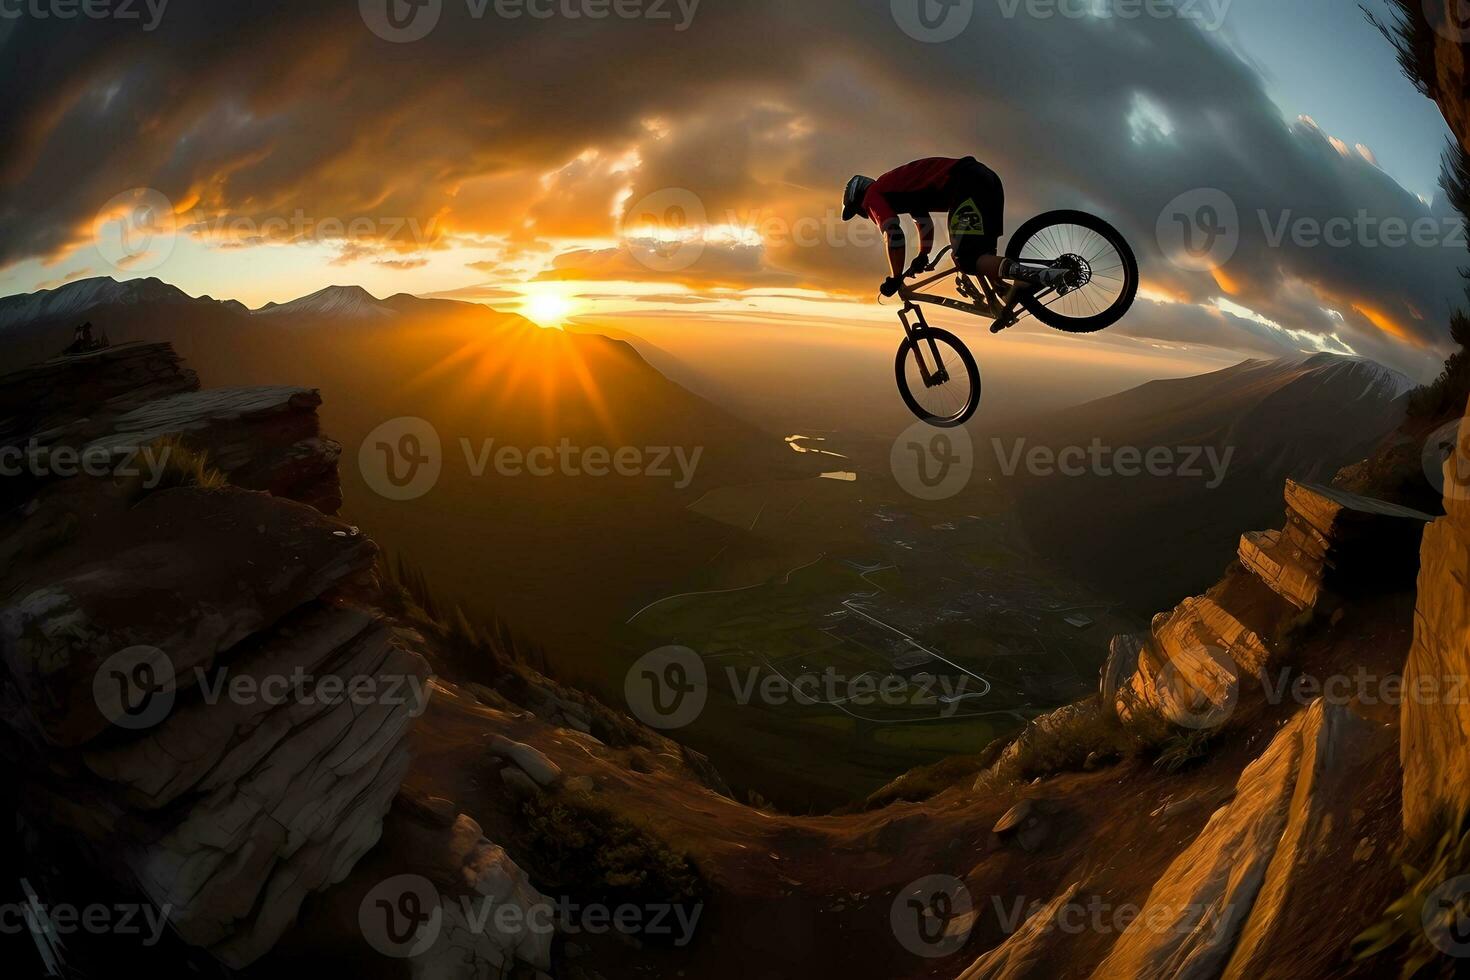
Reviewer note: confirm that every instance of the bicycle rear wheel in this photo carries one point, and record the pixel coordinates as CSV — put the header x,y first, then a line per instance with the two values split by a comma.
x,y
938,377
1102,270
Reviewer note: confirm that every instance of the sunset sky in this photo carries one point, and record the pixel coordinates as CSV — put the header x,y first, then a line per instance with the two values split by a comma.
x,y
285,146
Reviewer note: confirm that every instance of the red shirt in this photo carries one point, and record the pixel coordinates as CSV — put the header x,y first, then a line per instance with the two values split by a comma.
x,y
915,188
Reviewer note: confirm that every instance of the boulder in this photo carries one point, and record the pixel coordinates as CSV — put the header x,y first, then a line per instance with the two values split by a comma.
x,y
532,762
492,915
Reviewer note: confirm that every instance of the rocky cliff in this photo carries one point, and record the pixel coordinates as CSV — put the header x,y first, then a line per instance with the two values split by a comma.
x,y
213,691
1436,727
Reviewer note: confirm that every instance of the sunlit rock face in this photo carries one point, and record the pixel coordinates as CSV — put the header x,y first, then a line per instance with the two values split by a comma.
x,y
1436,708
1218,909
1334,541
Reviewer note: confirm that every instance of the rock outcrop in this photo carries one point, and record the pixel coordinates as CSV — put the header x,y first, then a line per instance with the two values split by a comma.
x,y
194,704
1333,542
110,408
1185,671
1435,716
1218,908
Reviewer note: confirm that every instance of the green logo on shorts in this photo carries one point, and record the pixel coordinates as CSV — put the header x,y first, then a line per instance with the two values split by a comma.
x,y
966,220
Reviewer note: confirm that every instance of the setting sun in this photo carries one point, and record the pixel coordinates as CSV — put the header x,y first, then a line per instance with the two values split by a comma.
x,y
548,309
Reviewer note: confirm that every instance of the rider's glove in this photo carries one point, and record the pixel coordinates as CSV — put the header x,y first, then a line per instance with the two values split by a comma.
x,y
890,285
920,264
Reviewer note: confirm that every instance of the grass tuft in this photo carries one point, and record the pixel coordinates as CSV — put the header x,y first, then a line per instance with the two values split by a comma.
x,y
581,846
179,465
1404,923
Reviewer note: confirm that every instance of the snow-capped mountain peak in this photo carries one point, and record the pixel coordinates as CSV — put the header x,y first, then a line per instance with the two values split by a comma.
x,y
334,301
75,298
1376,379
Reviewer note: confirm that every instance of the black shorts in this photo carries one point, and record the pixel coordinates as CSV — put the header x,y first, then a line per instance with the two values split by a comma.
x,y
977,212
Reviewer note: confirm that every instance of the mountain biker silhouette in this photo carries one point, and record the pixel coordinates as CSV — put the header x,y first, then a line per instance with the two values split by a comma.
x,y
967,191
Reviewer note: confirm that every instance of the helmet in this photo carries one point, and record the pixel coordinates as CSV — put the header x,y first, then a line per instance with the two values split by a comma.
x,y
852,197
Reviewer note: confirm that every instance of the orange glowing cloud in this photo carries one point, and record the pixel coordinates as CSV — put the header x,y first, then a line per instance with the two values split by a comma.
x,y
1225,282
1387,324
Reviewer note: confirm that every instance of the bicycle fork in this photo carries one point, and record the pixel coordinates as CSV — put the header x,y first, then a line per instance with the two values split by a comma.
x,y
920,336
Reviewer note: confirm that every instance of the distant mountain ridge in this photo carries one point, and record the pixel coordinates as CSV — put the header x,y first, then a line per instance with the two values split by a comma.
x,y
344,301
1162,537
77,299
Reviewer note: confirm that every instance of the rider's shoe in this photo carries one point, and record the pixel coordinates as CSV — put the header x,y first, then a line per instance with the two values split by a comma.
x,y
1040,278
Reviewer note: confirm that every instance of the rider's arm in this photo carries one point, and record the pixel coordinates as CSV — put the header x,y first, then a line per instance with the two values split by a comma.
x,y
925,223
887,220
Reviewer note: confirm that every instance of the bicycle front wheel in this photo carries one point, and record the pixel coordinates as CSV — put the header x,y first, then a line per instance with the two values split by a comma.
x,y
938,377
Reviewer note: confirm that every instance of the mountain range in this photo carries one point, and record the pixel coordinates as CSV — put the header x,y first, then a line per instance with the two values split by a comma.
x,y
484,381
1227,440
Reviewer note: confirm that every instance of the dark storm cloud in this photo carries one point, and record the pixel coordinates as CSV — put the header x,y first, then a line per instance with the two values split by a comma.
x,y
762,108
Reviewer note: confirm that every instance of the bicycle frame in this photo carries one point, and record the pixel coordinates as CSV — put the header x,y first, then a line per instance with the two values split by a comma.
x,y
987,301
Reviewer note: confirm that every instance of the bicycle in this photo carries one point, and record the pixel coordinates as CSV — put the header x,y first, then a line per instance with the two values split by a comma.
x,y
1101,284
